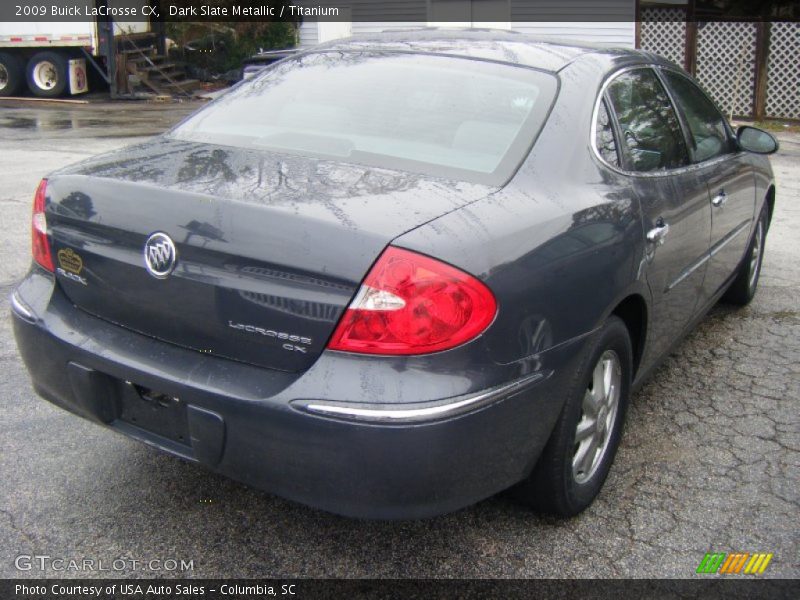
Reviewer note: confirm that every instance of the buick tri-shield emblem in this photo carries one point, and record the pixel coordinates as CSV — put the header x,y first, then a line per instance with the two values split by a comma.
x,y
160,255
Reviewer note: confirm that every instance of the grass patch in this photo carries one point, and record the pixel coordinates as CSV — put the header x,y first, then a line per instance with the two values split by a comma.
x,y
778,126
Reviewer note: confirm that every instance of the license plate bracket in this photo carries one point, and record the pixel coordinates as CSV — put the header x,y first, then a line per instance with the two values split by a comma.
x,y
156,412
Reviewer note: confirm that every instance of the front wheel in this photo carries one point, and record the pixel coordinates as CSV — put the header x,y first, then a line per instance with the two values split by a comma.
x,y
574,464
47,74
744,287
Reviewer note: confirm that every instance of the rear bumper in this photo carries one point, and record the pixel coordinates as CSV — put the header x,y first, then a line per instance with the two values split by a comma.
x,y
258,426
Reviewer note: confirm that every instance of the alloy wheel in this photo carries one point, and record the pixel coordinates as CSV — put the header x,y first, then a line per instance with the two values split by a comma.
x,y
599,412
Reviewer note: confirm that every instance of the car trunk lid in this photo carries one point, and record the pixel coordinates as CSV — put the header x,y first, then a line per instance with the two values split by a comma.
x,y
270,247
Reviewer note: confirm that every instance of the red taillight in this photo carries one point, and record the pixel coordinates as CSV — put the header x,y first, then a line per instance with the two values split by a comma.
x,y
413,304
41,246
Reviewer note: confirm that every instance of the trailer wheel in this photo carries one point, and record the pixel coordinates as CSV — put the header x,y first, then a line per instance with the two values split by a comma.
x,y
11,74
47,74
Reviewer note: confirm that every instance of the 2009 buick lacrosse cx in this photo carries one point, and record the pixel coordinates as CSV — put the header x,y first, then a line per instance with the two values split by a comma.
x,y
391,277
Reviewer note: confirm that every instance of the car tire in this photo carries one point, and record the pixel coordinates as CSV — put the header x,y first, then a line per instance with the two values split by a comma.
x,y
562,483
47,74
11,74
744,287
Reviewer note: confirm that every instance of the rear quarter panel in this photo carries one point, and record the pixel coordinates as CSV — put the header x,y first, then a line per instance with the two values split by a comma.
x,y
561,244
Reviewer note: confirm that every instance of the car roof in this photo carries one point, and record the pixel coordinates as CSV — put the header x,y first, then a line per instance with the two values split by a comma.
x,y
497,45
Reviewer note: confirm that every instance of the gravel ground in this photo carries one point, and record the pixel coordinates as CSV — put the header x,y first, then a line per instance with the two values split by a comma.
x,y
710,459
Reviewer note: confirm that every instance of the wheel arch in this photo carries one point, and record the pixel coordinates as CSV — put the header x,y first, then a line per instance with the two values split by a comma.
x,y
770,201
633,312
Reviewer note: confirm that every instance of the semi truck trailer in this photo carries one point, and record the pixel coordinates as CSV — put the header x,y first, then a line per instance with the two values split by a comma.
x,y
54,58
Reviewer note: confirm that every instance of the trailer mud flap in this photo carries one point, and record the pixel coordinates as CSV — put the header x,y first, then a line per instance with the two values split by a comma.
x,y
78,79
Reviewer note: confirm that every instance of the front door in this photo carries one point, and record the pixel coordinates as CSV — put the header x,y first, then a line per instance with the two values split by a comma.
x,y
732,205
728,175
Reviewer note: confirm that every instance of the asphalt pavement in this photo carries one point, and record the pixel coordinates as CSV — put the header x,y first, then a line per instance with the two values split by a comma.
x,y
710,460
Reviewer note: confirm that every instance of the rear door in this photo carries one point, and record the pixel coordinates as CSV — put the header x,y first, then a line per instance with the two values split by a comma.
x,y
727,173
652,151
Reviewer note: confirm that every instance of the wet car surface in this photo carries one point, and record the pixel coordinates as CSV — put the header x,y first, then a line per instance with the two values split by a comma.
x,y
733,361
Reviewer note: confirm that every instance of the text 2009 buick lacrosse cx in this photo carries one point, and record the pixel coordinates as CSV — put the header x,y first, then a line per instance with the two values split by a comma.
x,y
390,277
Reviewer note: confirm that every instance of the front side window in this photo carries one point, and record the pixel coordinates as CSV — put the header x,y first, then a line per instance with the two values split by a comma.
x,y
652,139
442,116
707,125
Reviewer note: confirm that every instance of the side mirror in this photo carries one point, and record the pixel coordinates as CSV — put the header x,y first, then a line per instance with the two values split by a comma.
x,y
756,140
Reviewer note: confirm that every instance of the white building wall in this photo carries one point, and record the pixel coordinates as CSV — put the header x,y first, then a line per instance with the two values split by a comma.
x,y
525,17
310,31
307,35
605,33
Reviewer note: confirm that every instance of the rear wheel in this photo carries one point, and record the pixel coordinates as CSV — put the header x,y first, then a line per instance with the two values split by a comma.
x,y
11,74
578,456
744,287
47,74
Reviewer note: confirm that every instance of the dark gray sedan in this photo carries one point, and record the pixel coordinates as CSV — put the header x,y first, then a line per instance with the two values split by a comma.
x,y
390,277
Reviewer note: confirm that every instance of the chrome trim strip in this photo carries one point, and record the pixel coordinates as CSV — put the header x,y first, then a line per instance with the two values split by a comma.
x,y
22,310
729,238
688,271
388,413
708,255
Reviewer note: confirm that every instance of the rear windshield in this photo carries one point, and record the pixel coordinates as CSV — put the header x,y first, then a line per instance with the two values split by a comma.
x,y
447,117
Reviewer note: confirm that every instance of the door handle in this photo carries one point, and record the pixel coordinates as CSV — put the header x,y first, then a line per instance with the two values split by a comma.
x,y
658,233
720,199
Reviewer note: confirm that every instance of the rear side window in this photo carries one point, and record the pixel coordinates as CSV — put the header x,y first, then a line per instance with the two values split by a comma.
x,y
652,139
441,116
707,125
604,136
